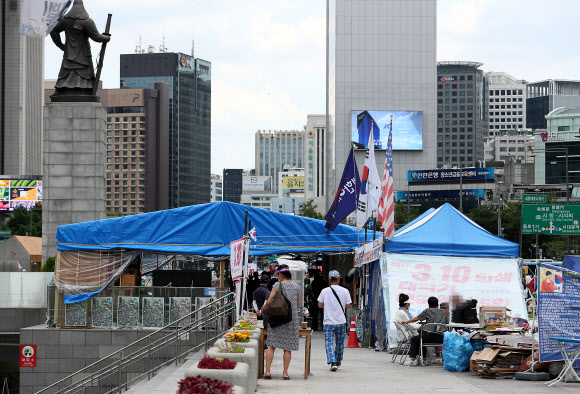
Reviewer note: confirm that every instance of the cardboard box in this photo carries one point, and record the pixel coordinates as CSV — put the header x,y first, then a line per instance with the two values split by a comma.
x,y
493,316
487,355
512,340
127,280
473,364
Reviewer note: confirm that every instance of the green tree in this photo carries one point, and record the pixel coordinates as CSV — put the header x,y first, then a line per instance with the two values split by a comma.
x,y
404,214
49,265
308,210
485,216
20,220
511,221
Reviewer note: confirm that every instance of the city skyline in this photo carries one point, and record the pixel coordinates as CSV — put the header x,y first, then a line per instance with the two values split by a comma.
x,y
269,63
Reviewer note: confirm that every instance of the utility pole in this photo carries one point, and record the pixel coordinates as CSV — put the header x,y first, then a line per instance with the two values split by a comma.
x,y
460,188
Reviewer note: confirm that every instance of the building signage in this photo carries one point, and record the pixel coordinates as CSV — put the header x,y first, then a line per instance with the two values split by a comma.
x,y
293,184
440,194
256,183
534,198
551,219
368,252
548,136
27,355
16,193
468,174
445,79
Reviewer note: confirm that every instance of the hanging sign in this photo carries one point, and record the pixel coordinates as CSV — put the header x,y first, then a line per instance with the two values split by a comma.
x,y
28,355
236,258
368,252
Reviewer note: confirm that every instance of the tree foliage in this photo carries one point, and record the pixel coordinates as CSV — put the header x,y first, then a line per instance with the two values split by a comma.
x,y
308,210
485,216
404,214
49,265
19,222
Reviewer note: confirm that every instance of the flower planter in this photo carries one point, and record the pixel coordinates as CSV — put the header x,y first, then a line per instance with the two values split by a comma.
x,y
235,390
255,333
253,343
239,376
249,356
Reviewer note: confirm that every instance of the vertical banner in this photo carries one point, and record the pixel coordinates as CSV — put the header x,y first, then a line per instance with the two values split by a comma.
x,y
558,307
491,281
236,259
39,17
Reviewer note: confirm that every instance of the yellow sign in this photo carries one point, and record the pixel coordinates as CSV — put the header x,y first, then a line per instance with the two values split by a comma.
x,y
294,184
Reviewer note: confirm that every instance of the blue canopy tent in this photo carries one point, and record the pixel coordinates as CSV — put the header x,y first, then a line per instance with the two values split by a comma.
x,y
202,230
447,232
207,230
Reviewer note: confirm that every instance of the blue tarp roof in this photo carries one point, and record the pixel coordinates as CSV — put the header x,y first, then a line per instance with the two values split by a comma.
x,y
207,230
447,232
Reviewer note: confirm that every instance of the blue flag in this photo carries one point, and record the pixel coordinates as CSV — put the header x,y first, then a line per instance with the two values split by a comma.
x,y
346,196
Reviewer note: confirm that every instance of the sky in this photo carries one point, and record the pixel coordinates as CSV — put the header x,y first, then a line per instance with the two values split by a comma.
x,y
268,57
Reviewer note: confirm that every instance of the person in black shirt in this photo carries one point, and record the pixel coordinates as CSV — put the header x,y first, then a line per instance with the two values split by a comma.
x,y
318,284
261,294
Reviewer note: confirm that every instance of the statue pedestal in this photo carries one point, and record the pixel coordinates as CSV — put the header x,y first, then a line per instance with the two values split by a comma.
x,y
73,167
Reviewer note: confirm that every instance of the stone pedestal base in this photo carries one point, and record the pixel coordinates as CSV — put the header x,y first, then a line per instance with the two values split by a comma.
x,y
73,167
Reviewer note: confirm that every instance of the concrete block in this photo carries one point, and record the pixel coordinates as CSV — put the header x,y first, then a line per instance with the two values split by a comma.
x,y
59,158
47,365
65,134
83,111
70,365
81,217
83,181
87,170
36,379
250,357
124,338
80,147
253,343
60,123
80,124
85,159
72,337
107,350
59,181
60,216
98,337
59,205
46,336
85,193
26,337
239,376
59,170
86,351
83,206
57,146
60,193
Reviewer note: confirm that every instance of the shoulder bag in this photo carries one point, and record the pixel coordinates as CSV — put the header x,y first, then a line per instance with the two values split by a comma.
x,y
343,309
277,307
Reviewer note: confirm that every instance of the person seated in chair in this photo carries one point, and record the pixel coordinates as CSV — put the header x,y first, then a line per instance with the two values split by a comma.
x,y
431,315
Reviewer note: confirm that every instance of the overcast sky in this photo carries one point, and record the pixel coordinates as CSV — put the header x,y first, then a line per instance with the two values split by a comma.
x,y
268,57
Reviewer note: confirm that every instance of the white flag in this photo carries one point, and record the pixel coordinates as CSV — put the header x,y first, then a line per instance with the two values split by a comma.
x,y
39,17
370,189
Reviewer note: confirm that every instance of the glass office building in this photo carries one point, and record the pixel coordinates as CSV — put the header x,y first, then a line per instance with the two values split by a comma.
x,y
189,81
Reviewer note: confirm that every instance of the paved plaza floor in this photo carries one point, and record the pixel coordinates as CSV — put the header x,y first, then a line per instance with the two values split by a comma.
x,y
367,371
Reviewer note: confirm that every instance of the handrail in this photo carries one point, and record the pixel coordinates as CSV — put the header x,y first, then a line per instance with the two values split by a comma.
x,y
120,360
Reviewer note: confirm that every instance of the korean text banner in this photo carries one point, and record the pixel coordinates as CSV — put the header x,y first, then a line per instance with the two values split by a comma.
x,y
467,174
39,17
237,250
490,281
293,184
442,194
558,307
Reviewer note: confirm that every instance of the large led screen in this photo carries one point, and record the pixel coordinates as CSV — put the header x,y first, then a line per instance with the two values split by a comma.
x,y
16,193
407,129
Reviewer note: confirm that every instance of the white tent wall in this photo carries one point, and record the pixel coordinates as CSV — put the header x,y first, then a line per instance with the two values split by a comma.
x,y
491,281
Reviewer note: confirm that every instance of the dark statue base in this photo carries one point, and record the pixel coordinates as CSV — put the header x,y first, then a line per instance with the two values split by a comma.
x,y
76,95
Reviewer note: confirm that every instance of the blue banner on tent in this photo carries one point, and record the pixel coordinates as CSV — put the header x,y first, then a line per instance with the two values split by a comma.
x,y
558,306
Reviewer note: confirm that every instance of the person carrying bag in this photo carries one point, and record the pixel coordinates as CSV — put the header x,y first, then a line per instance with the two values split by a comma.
x,y
332,300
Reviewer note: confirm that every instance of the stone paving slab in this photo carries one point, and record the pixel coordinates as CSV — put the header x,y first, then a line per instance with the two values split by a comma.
x,y
367,371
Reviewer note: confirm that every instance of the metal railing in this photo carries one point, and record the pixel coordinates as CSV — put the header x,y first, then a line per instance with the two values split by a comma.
x,y
144,357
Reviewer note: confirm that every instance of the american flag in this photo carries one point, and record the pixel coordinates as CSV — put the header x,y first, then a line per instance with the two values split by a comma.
x,y
386,204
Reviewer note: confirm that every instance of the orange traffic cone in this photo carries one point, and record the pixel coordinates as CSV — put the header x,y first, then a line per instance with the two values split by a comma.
x,y
352,339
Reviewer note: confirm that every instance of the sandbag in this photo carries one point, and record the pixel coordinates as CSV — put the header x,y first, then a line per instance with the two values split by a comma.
x,y
457,351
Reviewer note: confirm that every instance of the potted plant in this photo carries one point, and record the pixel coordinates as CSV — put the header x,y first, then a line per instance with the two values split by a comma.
x,y
203,385
222,368
236,352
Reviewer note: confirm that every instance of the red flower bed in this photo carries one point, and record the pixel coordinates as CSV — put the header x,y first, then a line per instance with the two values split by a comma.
x,y
202,385
216,363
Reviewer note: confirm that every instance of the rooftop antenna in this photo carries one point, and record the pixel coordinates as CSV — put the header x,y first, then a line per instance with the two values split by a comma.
x,y
163,48
138,47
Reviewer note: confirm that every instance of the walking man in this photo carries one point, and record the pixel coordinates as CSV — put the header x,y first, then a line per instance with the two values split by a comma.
x,y
334,300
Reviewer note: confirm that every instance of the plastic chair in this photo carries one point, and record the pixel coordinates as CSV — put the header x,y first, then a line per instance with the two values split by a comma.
x,y
433,328
405,344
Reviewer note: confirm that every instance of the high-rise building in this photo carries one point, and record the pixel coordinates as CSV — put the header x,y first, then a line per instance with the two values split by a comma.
x,y
217,187
276,150
381,59
232,185
545,96
137,149
317,159
462,122
189,81
507,103
21,96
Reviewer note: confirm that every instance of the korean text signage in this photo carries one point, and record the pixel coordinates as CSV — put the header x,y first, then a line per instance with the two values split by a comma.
x,y
439,194
534,198
237,250
293,184
558,300
28,355
492,282
551,219
468,174
368,252
16,193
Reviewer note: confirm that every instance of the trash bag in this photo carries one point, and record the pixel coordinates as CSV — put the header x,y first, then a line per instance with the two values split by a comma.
x,y
457,351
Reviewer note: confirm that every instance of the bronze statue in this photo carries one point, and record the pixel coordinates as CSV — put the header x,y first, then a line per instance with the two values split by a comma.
x,y
76,78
